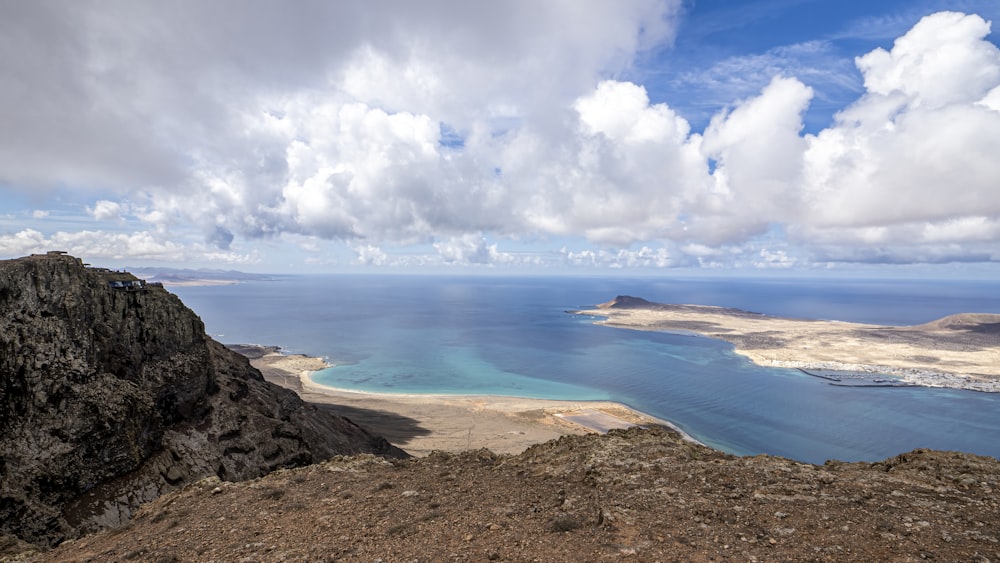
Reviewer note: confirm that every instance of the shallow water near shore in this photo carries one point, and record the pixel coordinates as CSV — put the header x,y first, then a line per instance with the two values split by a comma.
x,y
512,336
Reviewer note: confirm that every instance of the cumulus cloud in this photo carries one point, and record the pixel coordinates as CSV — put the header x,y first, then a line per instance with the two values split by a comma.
x,y
363,172
460,128
105,210
141,245
758,150
774,259
617,174
470,249
917,153
942,61
370,255
322,120
644,257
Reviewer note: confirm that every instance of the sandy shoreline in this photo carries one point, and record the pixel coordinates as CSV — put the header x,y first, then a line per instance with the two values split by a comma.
x,y
421,423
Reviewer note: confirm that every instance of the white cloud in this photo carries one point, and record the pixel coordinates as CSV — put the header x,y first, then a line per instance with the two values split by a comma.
x,y
775,259
105,210
962,230
370,255
918,151
616,172
644,257
96,245
620,111
363,172
255,119
470,249
758,150
991,100
325,123
941,61
458,61
124,95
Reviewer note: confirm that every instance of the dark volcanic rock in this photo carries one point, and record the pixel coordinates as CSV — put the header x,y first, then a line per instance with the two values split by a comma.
x,y
111,397
628,302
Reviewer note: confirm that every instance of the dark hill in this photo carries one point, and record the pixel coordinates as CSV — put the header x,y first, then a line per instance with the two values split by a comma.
x,y
111,394
627,302
981,323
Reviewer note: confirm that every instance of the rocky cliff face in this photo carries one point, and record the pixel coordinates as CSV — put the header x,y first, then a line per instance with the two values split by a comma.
x,y
110,397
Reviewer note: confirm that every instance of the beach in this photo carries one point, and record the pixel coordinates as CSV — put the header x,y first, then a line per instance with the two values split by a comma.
x,y
420,423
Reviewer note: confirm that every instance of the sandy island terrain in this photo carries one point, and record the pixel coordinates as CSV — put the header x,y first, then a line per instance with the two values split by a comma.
x,y
421,423
960,351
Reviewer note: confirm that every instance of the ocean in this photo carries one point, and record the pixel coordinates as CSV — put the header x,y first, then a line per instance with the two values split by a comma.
x,y
513,336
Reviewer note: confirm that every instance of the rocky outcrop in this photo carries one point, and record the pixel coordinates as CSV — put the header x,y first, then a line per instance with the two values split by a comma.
x,y
111,396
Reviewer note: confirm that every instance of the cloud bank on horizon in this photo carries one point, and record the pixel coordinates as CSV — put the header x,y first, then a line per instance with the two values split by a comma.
x,y
517,134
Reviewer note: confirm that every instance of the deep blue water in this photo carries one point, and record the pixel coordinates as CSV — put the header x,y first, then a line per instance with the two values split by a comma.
x,y
511,336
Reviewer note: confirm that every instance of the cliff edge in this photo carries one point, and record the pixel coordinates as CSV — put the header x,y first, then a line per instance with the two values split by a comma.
x,y
111,394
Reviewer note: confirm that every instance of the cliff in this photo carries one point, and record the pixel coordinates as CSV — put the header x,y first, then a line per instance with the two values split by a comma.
x,y
111,394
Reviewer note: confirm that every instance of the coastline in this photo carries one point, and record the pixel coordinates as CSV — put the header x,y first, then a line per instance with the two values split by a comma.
x,y
422,423
958,352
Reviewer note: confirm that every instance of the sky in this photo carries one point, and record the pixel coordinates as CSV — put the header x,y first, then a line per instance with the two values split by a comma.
x,y
554,136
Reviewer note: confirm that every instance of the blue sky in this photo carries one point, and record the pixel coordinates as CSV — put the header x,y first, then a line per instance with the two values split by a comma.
x,y
729,50
639,137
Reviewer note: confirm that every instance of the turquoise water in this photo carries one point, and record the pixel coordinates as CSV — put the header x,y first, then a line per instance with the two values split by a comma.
x,y
511,336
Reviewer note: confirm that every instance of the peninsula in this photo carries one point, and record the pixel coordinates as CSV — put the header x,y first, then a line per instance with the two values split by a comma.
x,y
960,351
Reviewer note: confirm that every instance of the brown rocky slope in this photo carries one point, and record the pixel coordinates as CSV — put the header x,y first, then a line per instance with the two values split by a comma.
x,y
634,495
111,396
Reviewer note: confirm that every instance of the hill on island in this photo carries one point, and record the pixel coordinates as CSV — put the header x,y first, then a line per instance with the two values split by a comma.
x,y
111,394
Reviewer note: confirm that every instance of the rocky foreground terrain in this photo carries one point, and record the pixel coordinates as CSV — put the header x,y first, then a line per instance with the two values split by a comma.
x,y
632,495
111,394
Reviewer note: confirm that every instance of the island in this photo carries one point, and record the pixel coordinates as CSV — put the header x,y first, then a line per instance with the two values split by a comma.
x,y
959,351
